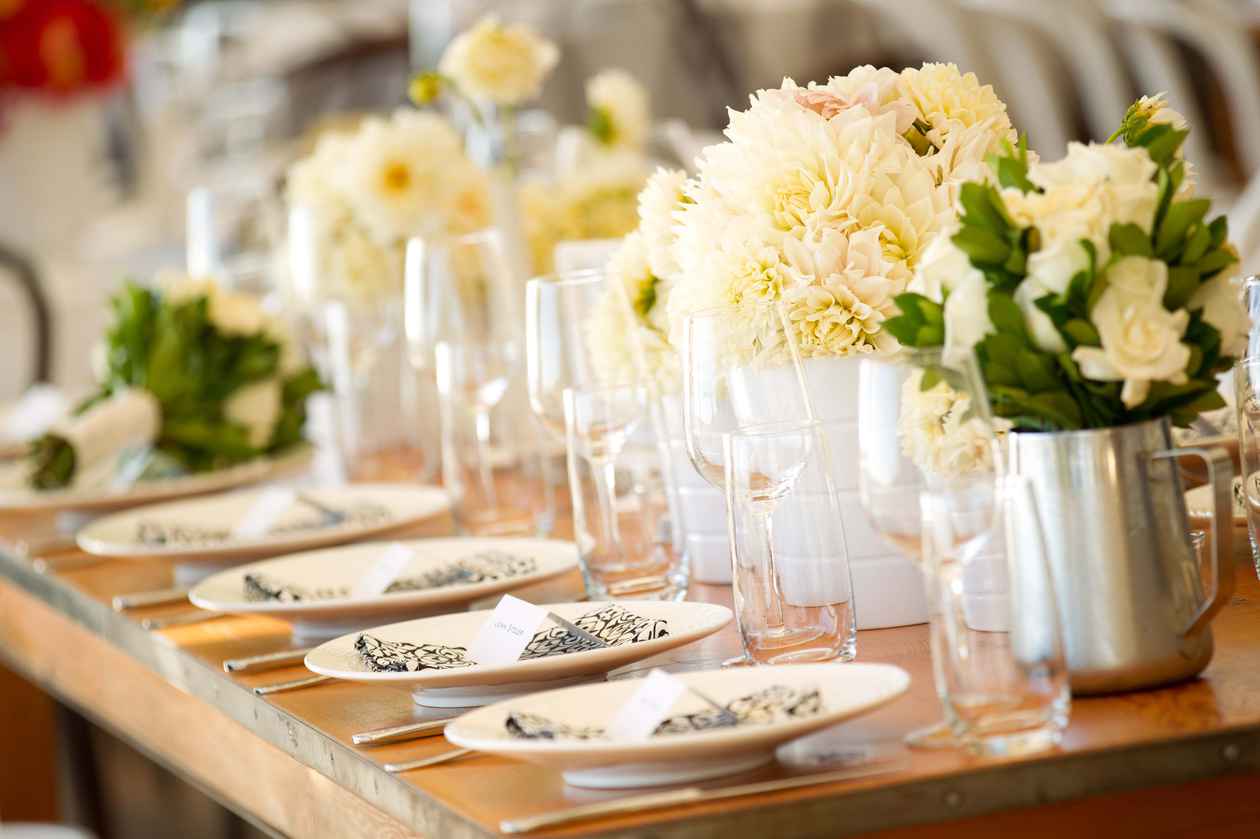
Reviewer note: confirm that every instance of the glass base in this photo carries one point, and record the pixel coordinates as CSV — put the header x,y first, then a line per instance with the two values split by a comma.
x,y
936,736
1016,743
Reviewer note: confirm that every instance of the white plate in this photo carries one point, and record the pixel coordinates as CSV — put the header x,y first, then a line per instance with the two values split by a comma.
x,y
1199,502
340,568
478,685
383,508
846,690
15,496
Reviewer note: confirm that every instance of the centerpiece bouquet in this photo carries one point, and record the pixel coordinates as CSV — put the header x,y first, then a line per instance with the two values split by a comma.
x,y
191,378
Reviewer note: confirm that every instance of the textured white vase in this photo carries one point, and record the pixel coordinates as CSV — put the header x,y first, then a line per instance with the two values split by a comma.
x,y
888,588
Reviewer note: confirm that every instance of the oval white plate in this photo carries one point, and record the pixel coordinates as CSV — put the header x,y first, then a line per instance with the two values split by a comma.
x,y
477,685
847,690
17,497
398,506
1199,502
342,567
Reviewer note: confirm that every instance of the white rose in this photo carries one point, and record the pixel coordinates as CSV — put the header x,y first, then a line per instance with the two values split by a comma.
x,y
1042,329
1141,340
1221,301
234,313
942,267
257,407
966,317
1057,262
623,102
502,65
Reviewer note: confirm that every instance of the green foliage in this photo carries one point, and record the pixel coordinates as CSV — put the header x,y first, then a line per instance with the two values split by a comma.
x,y
1044,389
600,124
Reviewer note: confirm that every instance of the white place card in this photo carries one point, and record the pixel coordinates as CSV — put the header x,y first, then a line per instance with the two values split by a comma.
x,y
504,636
271,504
647,707
383,571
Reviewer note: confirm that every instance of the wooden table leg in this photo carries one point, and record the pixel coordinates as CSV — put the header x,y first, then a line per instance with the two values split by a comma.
x,y
28,749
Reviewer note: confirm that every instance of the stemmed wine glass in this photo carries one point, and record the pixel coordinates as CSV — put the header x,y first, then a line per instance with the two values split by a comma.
x,y
924,431
558,311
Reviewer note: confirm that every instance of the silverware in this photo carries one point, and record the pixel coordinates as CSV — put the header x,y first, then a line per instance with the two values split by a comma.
x,y
135,600
182,619
724,713
578,631
265,690
266,661
398,733
33,546
655,800
331,516
453,754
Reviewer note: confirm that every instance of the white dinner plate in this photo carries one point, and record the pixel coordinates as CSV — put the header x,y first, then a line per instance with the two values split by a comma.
x,y
1199,503
199,530
776,705
316,585
16,496
480,684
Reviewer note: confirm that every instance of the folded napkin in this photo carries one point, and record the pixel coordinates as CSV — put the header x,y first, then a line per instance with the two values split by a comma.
x,y
613,624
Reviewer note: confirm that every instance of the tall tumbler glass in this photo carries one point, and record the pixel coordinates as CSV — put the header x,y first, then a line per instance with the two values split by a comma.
x,y
792,589
621,512
1247,404
998,655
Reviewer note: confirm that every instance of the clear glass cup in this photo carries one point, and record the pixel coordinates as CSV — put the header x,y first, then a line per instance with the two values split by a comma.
x,y
918,430
230,231
491,464
1247,490
998,655
376,407
621,510
792,587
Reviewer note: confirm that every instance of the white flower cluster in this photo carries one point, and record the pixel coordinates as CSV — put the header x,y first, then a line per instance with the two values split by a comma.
x,y
368,191
937,433
620,109
1081,197
498,64
825,198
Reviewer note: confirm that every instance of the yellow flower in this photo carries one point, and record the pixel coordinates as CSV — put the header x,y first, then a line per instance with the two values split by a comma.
x,y
499,64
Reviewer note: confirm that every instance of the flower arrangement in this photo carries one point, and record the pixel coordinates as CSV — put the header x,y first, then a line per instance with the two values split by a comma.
x,y
370,190
194,376
1094,290
493,64
823,200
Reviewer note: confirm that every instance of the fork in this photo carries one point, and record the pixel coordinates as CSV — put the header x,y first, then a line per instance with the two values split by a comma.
x,y
332,517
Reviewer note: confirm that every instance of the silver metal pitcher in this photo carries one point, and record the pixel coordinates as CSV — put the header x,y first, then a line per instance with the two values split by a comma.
x,y
1131,597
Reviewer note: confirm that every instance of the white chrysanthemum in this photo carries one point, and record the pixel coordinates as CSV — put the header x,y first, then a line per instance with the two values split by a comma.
x,y
947,100
257,407
874,90
659,201
937,434
401,175
499,64
626,334
622,103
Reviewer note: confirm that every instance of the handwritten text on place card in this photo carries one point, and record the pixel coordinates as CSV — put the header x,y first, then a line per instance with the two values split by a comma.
x,y
647,707
504,636
383,571
262,515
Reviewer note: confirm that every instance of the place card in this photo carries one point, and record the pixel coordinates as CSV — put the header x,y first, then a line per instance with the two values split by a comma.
x,y
647,707
383,571
504,636
261,517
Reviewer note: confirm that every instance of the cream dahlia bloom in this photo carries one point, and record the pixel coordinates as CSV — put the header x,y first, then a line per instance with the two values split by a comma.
x,y
622,103
661,198
499,64
949,101
1141,340
936,433
626,334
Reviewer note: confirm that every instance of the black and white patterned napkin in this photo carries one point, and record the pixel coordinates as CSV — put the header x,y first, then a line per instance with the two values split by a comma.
x,y
613,624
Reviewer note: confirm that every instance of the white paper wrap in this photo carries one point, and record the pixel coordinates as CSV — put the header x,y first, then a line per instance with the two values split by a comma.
x,y
128,419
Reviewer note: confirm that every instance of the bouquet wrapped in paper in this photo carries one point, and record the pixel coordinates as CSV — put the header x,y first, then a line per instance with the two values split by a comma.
x,y
192,378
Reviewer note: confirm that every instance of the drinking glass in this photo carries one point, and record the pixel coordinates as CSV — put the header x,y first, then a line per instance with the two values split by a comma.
x,y
491,465
230,229
791,586
621,514
998,655
922,424
1247,404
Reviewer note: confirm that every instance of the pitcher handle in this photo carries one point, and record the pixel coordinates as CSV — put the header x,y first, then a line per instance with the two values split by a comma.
x,y
1221,478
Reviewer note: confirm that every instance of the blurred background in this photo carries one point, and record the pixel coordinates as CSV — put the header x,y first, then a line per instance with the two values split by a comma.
x,y
115,116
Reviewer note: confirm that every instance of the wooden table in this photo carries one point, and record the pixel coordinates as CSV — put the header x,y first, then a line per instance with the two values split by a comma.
x,y
1159,763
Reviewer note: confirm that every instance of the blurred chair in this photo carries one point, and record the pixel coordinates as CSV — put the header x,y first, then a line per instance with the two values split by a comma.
x,y
1151,29
27,280
1077,30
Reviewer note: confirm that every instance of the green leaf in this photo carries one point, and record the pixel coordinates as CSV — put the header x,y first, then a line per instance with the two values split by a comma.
x,y
1005,315
1129,240
1036,372
982,246
1082,332
1164,148
1196,246
983,206
931,378
920,322
1183,282
1177,222
1215,261
600,124
1219,228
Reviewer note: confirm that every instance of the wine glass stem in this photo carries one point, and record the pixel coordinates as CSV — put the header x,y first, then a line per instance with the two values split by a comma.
x,y
605,475
485,469
770,589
